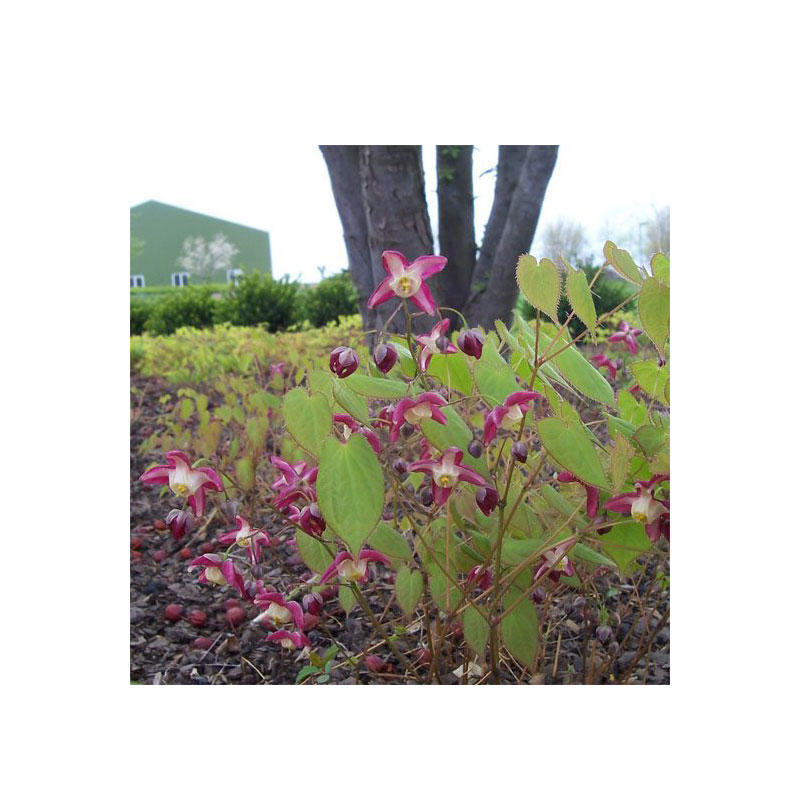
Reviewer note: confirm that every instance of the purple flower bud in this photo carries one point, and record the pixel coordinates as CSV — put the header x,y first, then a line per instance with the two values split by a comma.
x,y
343,361
539,595
180,523
520,452
482,577
400,466
312,603
487,499
474,449
426,496
578,603
385,357
603,633
441,344
470,342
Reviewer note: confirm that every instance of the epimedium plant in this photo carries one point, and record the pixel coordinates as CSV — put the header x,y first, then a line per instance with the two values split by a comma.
x,y
480,470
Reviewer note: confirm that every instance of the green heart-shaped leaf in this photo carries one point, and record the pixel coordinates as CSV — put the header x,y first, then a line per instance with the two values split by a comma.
x,y
571,446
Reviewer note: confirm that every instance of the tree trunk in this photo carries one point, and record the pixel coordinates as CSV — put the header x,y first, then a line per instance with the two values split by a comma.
x,y
393,191
500,295
456,226
342,163
380,197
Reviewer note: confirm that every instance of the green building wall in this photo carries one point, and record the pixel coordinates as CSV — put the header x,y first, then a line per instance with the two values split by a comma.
x,y
162,230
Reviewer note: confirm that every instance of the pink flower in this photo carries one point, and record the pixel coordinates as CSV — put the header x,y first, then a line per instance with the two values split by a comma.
x,y
407,280
277,610
555,564
627,335
312,602
482,577
290,640
592,492
601,360
385,357
245,536
343,361
434,343
309,519
414,410
644,508
508,414
220,571
446,473
487,499
295,481
351,426
180,523
349,569
470,342
184,480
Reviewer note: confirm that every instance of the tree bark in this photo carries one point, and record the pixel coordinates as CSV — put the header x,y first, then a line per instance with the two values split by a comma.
x,y
393,191
497,300
456,226
342,163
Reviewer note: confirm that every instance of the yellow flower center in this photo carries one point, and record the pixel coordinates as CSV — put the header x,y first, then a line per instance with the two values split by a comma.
x,y
214,575
180,489
404,284
444,480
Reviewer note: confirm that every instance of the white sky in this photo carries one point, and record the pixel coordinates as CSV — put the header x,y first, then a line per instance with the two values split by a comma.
x,y
285,190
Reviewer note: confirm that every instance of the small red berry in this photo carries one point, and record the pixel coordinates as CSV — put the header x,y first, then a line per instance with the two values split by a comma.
x,y
230,603
136,543
160,525
186,553
136,555
207,547
197,618
235,616
375,663
202,643
159,555
173,612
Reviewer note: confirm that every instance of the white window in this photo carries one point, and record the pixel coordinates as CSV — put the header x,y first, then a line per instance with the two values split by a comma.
x,y
234,275
180,278
137,281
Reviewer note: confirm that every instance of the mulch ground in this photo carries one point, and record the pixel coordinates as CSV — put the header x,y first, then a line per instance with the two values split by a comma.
x,y
164,652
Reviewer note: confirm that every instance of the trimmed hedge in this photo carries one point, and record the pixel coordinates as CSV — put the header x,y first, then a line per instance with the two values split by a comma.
x,y
256,299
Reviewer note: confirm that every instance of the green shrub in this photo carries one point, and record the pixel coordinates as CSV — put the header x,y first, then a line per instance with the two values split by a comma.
x,y
608,294
140,313
192,307
260,299
331,299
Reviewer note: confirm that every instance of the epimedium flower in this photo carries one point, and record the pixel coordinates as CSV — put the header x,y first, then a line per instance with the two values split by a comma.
x,y
290,640
184,480
487,499
343,361
351,426
407,280
277,610
625,333
244,536
220,571
385,357
309,519
481,576
592,492
508,414
435,343
350,569
414,410
555,563
446,473
601,360
471,342
644,508
295,481
180,523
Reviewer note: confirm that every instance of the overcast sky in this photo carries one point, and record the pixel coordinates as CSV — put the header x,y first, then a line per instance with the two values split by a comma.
x,y
285,190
